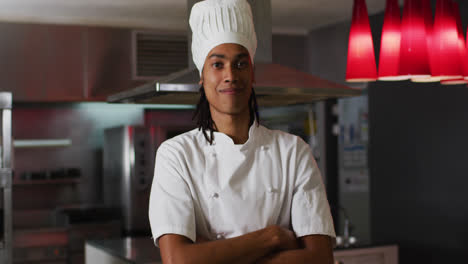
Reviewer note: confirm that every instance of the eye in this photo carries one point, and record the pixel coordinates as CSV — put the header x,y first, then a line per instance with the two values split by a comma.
x,y
242,64
217,65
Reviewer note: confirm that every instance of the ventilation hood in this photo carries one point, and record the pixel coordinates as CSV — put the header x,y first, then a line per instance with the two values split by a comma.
x,y
275,85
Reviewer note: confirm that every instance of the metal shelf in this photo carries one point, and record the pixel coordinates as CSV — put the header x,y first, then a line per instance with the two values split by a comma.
x,y
47,181
41,143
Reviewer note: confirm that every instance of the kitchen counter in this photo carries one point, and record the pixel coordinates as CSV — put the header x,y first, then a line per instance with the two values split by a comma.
x,y
383,254
137,250
362,246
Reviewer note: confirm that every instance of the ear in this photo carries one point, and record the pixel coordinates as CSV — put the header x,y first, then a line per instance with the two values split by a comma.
x,y
201,79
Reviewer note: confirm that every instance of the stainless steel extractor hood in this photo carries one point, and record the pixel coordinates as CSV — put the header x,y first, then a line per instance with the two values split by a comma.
x,y
275,85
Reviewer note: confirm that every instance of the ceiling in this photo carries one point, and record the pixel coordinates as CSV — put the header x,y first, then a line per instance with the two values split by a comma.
x,y
291,16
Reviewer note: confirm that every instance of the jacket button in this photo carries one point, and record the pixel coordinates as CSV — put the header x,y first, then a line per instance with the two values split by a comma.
x,y
215,195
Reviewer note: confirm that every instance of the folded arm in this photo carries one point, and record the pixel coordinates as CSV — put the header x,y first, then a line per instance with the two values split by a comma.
x,y
316,249
248,248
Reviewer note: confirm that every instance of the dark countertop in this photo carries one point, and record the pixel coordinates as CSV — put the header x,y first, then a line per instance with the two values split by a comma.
x,y
362,246
138,250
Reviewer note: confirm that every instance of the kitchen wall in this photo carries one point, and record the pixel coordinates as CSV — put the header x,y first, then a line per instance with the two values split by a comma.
x,y
64,63
418,168
290,50
417,151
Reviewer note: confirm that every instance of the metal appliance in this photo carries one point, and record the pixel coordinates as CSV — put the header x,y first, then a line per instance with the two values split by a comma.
x,y
275,85
129,154
6,168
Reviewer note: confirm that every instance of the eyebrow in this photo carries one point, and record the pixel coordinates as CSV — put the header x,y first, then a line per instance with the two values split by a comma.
x,y
221,56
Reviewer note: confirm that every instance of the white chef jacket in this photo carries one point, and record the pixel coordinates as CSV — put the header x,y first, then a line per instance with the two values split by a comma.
x,y
226,190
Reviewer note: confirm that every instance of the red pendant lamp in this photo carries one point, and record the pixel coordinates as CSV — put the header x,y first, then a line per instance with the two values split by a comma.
x,y
389,59
466,77
461,47
455,81
446,51
361,58
428,22
461,40
414,61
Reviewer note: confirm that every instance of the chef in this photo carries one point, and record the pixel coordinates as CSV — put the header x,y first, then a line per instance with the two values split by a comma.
x,y
231,190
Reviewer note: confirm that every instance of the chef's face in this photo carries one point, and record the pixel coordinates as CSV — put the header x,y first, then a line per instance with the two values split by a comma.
x,y
227,79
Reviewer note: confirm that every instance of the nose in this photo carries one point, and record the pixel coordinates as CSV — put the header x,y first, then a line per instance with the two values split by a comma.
x,y
230,74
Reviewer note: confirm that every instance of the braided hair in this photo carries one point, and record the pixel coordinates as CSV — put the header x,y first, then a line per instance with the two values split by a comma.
x,y
202,115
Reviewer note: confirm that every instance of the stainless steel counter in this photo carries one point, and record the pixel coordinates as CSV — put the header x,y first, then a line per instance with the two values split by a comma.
x,y
138,250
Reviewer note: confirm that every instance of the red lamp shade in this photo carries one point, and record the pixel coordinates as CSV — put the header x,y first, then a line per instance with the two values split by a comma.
x,y
446,50
413,51
461,40
389,59
427,12
361,58
466,61
454,81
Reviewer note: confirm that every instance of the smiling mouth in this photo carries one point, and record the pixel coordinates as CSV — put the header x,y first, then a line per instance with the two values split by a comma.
x,y
230,91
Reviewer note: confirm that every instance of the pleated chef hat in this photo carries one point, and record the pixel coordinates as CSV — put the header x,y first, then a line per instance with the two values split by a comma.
x,y
215,22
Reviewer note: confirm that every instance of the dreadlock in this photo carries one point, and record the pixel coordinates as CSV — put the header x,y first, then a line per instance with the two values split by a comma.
x,y
202,115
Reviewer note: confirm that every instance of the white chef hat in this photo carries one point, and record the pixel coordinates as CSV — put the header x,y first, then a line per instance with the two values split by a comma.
x,y
215,22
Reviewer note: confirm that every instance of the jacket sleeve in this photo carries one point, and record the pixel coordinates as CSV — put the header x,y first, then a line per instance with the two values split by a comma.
x,y
310,211
171,208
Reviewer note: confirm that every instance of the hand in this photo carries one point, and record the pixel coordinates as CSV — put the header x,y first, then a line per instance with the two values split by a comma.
x,y
283,239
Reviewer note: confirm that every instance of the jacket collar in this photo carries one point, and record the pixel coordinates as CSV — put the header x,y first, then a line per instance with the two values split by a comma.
x,y
223,140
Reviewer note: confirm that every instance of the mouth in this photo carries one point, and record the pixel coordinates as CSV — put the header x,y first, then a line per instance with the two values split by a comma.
x,y
230,90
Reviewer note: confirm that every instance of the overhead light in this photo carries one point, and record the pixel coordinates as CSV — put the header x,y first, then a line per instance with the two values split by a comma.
x,y
389,59
415,47
447,64
361,59
461,40
461,47
466,46
414,61
454,81
466,59
428,22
